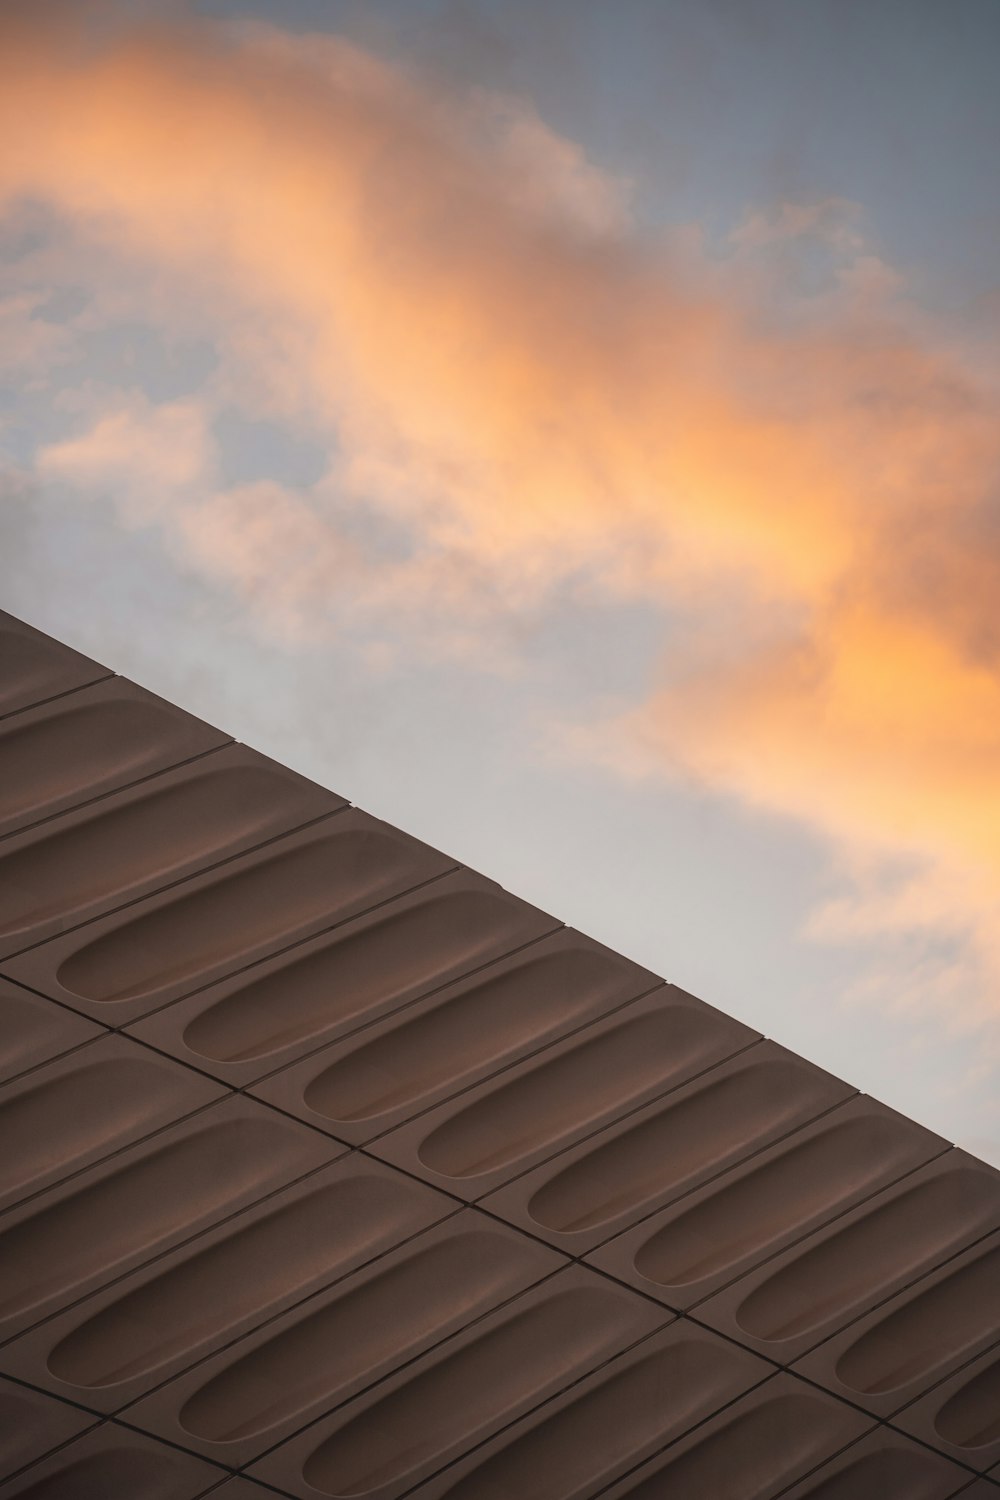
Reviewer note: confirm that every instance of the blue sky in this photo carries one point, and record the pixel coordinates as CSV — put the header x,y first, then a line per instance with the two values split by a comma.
x,y
504,473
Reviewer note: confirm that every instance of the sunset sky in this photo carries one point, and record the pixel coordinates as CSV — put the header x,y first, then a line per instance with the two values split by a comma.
x,y
569,430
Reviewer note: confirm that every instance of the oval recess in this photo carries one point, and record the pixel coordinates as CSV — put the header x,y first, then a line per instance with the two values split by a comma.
x,y
506,1367
92,1106
564,1454
570,1091
669,1147
116,848
122,1471
757,1452
256,1266
35,1031
348,976
237,913
83,746
470,1031
36,668
746,1216
140,1205
926,1332
971,1417
888,1474
386,1316
887,1245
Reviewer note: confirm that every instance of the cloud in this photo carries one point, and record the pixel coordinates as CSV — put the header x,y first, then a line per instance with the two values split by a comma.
x,y
30,345
529,390
285,551
882,733
390,245
148,456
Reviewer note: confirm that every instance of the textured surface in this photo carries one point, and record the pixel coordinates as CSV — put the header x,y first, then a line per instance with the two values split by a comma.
x,y
466,1390
330,1168
656,1154
34,1030
961,1415
37,668
74,749
832,1277
716,1234
259,1021
892,1355
885,1465
114,851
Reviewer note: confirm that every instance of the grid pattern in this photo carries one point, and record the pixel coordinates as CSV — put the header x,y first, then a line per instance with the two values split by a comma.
x,y
329,1168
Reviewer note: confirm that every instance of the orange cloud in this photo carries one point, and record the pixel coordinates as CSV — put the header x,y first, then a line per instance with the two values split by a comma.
x,y
479,330
534,388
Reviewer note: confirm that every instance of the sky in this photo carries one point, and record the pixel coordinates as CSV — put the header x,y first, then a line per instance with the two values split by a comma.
x,y
570,432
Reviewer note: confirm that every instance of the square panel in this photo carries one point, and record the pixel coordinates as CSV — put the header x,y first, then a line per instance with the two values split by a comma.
x,y
32,1424
333,984
121,966
113,1462
595,1189
236,1404
143,1200
36,667
114,851
838,1274
961,1415
751,1451
36,1030
89,743
480,1140
70,1113
463,1032
914,1340
718,1233
575,1445
116,1345
886,1466
438,1407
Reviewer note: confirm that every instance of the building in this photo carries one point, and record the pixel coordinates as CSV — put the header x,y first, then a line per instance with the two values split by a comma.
x,y
331,1168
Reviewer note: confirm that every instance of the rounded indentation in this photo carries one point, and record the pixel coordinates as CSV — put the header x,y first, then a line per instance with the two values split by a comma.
x,y
238,912
257,1265
32,1424
793,1189
352,1336
147,1475
928,1332
35,668
348,977
681,1140
523,1357
138,1207
892,1474
573,1090
116,848
755,1453
471,1031
620,1417
82,746
73,1115
887,1246
34,1030
971,1417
